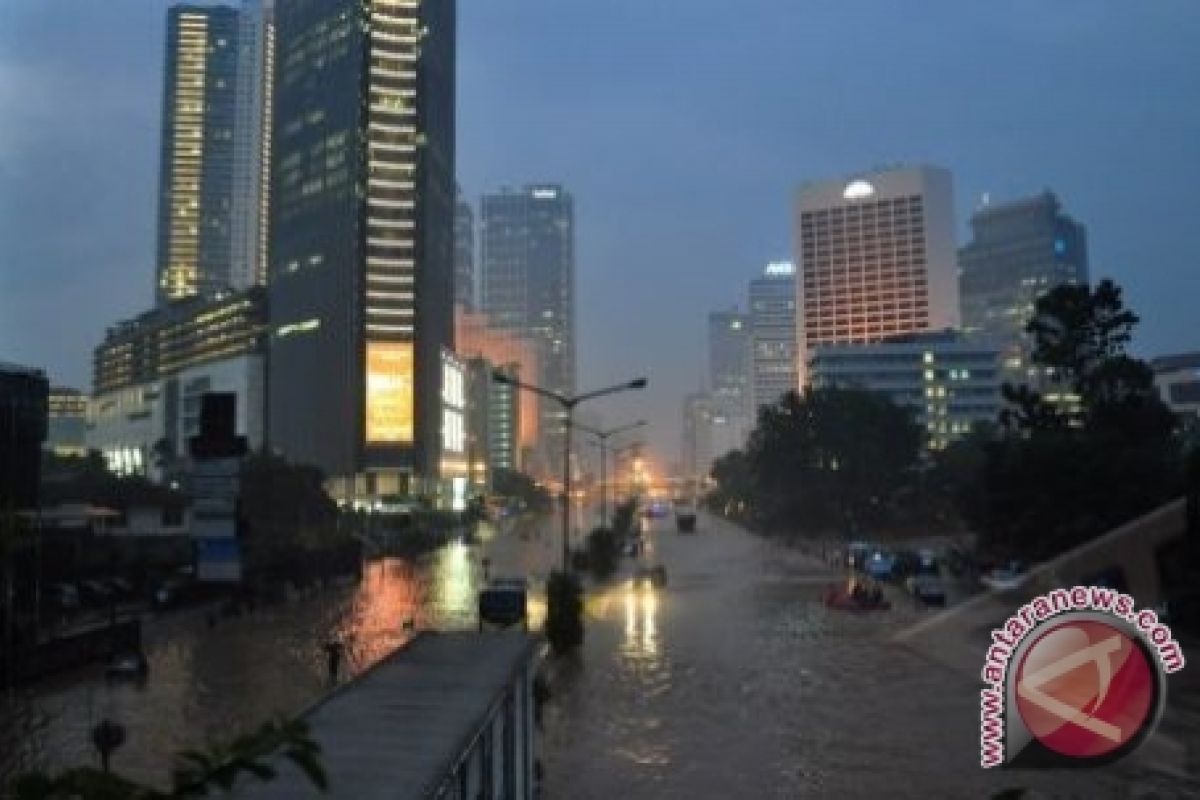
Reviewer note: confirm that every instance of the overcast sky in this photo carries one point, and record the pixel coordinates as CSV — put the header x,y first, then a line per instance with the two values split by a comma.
x,y
682,128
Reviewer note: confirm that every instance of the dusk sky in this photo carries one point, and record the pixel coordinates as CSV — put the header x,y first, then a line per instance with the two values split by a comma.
x,y
681,128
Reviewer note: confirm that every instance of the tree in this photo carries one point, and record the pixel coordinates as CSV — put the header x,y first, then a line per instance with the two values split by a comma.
x,y
197,773
564,612
1062,475
831,457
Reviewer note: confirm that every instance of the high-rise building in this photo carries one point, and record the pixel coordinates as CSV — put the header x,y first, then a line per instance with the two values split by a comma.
x,y
517,356
252,145
528,247
729,374
362,240
950,384
874,258
697,435
1018,252
464,253
772,335
213,194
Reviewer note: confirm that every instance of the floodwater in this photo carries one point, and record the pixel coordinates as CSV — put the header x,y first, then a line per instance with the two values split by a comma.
x,y
733,681
209,684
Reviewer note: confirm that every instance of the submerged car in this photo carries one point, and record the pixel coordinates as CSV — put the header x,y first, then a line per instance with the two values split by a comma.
x,y
880,565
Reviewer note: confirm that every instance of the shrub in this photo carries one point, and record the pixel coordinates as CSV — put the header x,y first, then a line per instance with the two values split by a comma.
x,y
564,613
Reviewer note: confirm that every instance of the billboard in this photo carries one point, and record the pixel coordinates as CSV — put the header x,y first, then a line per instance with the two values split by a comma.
x,y
389,392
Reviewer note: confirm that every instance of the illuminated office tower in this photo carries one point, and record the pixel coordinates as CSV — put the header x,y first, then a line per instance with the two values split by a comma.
x,y
874,258
361,281
1018,252
772,335
252,145
196,172
528,247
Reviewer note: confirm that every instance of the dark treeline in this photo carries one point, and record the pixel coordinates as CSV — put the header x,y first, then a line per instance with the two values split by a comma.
x,y
1050,475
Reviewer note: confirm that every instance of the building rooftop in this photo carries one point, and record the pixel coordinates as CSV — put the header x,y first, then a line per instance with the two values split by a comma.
x,y
397,731
1175,362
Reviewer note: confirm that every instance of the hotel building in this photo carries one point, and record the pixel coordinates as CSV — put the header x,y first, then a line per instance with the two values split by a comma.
x,y
874,258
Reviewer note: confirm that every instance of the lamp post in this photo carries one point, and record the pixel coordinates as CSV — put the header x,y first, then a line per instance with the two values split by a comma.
x,y
568,405
604,436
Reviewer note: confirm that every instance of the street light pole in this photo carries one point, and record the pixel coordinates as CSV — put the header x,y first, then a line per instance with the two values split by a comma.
x,y
604,436
568,405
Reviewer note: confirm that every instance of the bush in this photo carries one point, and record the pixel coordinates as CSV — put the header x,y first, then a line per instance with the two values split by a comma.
x,y
604,552
564,613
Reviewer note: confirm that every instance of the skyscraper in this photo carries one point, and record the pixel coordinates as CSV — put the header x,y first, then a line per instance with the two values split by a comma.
x,y
252,145
875,258
528,248
729,378
464,253
362,240
196,173
772,335
1018,252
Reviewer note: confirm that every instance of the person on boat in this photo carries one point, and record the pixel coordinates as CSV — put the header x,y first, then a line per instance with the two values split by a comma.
x,y
858,591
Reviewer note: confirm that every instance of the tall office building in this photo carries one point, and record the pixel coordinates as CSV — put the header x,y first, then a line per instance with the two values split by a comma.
x,y
252,145
464,253
362,240
212,202
772,335
729,372
528,247
874,258
1018,252
951,385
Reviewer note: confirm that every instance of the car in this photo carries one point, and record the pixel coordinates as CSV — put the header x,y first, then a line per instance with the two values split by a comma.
x,y
880,565
1004,579
926,582
503,602
655,576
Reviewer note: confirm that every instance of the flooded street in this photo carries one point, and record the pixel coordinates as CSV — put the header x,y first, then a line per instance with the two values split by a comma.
x,y
736,681
731,681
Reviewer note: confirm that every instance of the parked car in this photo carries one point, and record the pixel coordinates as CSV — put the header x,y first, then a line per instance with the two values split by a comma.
x,y
926,583
880,565
1005,579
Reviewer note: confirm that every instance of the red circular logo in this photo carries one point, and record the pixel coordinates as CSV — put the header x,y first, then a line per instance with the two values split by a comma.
x,y
1085,689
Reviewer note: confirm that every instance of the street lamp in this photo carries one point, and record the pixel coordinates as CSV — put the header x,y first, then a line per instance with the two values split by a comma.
x,y
603,436
568,405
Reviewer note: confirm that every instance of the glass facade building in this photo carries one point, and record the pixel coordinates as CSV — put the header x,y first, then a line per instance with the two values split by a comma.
x,y
362,239
1018,252
212,195
464,254
528,249
950,384
196,173
772,316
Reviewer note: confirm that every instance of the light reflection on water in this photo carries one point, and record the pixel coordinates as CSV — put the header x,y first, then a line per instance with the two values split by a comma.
x,y
208,684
